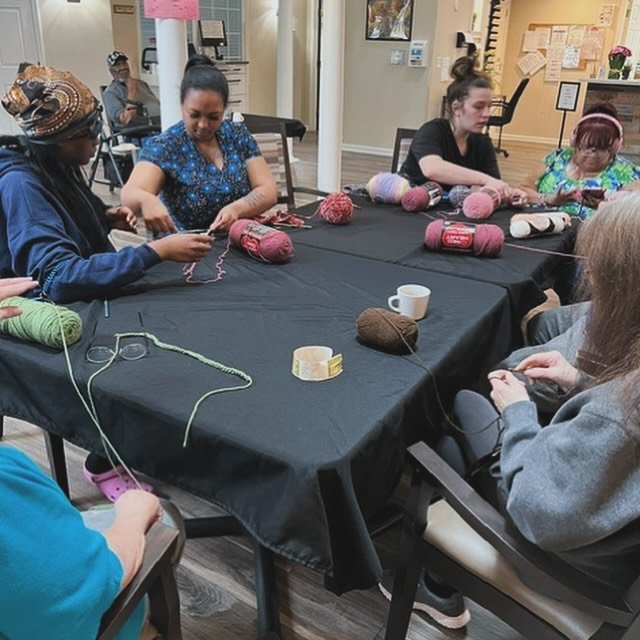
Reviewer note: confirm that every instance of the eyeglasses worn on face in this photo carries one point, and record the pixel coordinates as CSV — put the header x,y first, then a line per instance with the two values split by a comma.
x,y
595,150
101,354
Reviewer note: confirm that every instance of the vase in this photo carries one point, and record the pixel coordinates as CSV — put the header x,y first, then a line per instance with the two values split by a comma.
x,y
624,74
614,74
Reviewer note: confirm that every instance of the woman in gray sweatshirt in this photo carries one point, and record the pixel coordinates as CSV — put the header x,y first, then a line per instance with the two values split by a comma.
x,y
573,487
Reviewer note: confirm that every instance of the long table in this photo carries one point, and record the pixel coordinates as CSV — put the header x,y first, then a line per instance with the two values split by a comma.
x,y
388,233
302,465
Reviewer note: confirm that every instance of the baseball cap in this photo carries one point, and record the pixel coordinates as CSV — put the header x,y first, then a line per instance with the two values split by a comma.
x,y
114,56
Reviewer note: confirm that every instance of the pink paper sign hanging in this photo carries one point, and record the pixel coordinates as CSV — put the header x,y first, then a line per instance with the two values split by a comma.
x,y
176,9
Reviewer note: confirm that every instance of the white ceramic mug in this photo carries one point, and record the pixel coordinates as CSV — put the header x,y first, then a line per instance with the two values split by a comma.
x,y
411,300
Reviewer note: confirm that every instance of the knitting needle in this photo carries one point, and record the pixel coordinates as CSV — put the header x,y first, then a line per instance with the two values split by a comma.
x,y
106,308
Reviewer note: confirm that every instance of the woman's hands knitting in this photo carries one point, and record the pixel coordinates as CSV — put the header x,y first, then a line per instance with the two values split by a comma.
x,y
550,366
156,216
182,247
506,389
122,218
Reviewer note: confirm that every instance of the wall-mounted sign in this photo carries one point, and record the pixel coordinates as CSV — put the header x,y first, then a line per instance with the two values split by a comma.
x,y
128,9
176,9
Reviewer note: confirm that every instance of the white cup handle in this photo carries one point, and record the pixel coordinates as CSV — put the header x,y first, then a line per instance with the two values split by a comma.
x,y
392,306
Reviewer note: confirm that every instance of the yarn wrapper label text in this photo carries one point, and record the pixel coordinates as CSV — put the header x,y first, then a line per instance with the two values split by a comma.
x,y
458,236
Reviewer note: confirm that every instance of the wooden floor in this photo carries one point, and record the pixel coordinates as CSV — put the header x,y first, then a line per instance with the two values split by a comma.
x,y
216,575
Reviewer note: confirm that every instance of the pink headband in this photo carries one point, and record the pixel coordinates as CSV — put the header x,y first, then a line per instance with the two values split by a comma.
x,y
603,116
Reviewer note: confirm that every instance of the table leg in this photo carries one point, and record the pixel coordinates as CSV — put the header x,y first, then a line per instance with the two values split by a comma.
x,y
55,453
1,427
266,595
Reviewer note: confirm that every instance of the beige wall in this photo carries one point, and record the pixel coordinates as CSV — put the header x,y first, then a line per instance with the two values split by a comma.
x,y
535,115
125,33
379,97
261,32
77,37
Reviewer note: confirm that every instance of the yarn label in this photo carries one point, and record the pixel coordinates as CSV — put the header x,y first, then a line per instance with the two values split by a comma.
x,y
251,237
458,236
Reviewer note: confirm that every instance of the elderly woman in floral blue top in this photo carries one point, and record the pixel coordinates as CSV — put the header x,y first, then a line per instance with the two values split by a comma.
x,y
578,178
207,171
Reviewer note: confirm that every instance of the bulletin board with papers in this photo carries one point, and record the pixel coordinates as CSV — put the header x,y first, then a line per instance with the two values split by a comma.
x,y
556,47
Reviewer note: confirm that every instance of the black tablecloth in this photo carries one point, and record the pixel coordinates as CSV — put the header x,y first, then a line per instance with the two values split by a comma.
x,y
301,464
294,128
387,233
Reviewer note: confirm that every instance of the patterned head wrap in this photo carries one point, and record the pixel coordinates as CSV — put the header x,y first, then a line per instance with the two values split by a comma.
x,y
49,105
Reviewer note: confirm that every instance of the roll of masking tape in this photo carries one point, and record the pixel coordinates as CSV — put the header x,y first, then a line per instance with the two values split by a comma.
x,y
316,363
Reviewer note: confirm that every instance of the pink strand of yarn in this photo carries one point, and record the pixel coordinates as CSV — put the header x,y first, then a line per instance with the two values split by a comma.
x,y
481,204
189,269
484,240
260,242
336,208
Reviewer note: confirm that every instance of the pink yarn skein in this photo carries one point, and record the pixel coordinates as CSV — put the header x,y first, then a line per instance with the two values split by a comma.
x,y
260,242
485,240
481,204
416,199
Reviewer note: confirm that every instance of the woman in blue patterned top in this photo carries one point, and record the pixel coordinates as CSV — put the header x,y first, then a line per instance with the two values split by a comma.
x,y
207,171
577,178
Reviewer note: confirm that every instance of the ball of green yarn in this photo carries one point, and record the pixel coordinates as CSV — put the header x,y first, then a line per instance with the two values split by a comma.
x,y
41,322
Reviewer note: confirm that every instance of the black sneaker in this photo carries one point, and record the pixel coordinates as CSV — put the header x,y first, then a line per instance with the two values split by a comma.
x,y
448,610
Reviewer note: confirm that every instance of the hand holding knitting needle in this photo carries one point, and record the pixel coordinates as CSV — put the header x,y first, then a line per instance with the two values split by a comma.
x,y
506,389
14,287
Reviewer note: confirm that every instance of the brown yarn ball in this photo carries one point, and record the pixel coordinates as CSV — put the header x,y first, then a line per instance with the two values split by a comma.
x,y
383,329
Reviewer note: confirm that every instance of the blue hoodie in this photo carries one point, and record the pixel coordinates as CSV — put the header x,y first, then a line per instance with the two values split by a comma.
x,y
38,238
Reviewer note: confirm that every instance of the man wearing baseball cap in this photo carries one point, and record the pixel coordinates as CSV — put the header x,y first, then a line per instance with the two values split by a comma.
x,y
128,102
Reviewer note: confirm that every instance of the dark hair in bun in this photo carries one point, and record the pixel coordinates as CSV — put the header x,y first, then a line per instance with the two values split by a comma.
x,y
465,77
201,74
603,107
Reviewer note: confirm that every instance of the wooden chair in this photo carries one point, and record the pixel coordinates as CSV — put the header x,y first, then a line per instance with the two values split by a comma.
x,y
272,140
156,579
469,544
401,147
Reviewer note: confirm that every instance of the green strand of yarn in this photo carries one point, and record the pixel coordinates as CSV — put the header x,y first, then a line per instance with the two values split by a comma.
x,y
41,322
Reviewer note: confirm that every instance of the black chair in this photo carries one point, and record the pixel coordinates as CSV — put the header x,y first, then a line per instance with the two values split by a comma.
x,y
156,578
505,115
471,547
401,147
117,166
272,140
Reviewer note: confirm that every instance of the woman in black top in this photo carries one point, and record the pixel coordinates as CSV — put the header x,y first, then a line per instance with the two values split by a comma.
x,y
454,150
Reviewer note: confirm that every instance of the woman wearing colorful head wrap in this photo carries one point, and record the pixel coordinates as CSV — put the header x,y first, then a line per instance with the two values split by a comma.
x,y
53,228
579,177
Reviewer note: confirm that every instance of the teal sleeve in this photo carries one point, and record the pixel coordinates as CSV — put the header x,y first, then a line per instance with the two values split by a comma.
x,y
58,577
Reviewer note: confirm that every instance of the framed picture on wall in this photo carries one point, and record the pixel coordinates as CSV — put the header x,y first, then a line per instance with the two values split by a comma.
x,y
389,19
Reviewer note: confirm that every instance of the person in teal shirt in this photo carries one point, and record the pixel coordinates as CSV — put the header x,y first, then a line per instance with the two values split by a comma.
x,y
579,177
59,575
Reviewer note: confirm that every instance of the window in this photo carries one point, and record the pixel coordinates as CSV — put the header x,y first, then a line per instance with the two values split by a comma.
x,y
228,10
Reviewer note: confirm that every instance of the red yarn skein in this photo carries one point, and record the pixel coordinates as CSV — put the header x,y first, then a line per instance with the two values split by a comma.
x,y
484,240
260,242
336,208
481,204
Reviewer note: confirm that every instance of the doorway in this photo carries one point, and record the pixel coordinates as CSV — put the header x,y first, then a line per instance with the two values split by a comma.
x,y
19,42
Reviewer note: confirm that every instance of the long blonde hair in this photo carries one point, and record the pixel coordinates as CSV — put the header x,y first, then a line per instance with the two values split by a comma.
x,y
610,241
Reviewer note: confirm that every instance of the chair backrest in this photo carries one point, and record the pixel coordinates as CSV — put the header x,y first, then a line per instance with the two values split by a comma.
x,y
272,140
110,127
513,100
401,147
